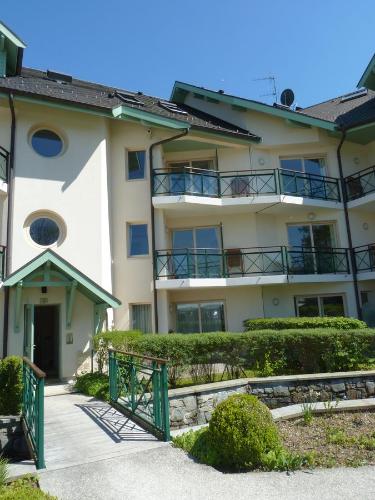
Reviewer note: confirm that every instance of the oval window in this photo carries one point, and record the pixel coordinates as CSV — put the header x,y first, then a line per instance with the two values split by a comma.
x,y
46,143
44,231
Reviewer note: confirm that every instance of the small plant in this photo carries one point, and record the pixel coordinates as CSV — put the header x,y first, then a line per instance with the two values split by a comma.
x,y
3,471
93,384
283,460
308,406
330,405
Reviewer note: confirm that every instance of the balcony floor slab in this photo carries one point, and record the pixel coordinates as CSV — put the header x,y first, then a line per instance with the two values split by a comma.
x,y
279,279
273,203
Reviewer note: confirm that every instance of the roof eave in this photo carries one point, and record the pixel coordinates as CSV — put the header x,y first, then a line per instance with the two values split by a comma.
x,y
368,78
255,106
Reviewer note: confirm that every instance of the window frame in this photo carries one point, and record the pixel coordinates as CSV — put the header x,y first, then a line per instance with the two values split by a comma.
x,y
135,150
306,157
60,135
128,232
315,223
45,214
217,227
134,304
190,163
320,302
199,303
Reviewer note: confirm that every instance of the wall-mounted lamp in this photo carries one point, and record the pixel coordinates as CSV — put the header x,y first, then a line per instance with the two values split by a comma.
x,y
275,301
311,216
261,161
365,226
356,160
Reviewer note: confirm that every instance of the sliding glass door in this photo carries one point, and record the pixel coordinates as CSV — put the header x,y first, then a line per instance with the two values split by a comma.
x,y
310,248
197,252
200,317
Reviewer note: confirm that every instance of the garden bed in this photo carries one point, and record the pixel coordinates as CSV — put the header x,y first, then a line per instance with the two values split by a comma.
x,y
332,440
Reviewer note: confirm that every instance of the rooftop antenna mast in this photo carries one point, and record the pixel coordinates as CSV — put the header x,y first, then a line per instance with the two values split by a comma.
x,y
272,81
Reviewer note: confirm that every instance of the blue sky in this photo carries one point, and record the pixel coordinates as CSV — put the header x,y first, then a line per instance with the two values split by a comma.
x,y
319,48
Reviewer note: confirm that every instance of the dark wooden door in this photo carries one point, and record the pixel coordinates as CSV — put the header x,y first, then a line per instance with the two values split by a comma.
x,y
46,339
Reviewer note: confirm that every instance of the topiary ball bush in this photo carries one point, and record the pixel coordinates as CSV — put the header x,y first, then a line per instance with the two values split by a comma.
x,y
242,431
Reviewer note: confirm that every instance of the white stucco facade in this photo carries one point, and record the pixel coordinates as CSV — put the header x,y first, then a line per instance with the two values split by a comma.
x,y
87,191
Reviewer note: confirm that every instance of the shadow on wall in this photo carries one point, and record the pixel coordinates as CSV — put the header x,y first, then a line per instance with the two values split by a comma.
x,y
81,140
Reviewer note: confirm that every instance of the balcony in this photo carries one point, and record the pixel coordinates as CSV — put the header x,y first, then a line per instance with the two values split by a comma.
x,y
365,261
275,264
215,184
360,184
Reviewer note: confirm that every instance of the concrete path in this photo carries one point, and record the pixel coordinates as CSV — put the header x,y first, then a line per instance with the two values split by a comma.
x,y
167,473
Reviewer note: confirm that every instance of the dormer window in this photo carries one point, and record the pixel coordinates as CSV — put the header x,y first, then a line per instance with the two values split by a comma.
x,y
11,51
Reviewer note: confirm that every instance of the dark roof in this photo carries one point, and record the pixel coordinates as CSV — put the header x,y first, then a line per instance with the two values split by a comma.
x,y
35,83
345,111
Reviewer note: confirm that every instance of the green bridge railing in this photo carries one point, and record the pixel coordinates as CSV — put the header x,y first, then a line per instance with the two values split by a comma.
x,y
138,386
33,409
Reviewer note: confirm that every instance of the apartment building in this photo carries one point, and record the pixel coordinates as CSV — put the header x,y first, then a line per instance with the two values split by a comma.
x,y
121,210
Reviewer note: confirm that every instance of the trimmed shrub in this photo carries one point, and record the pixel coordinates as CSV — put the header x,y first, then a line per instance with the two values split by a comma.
x,y
339,323
10,385
242,431
93,384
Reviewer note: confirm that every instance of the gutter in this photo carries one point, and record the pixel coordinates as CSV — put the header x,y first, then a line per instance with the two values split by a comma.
x,y
151,162
348,229
9,221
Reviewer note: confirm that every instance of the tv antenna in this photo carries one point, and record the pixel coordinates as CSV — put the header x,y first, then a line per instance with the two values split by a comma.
x,y
272,81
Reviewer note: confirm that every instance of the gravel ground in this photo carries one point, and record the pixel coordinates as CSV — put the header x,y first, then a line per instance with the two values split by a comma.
x,y
346,439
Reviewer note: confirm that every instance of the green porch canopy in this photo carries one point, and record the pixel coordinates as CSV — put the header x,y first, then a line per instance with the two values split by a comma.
x,y
50,270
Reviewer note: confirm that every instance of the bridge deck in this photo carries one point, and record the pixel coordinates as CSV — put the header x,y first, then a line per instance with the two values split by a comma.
x,y
80,429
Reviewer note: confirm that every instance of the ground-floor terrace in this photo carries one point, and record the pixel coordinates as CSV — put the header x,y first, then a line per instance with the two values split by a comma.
x,y
206,309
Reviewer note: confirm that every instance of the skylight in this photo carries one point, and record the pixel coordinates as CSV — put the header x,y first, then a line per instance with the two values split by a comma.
x,y
129,98
353,95
173,108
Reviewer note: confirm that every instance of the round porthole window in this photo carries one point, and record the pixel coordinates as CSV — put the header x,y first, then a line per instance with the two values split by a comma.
x,y
44,231
46,143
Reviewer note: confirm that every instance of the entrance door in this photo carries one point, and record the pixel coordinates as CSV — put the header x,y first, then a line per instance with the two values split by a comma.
x,y
46,339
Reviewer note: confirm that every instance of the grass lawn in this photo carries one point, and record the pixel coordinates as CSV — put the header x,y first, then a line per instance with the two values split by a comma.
x,y
337,439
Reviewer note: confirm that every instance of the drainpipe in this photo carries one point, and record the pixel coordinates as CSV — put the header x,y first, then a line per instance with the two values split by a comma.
x,y
348,230
9,222
151,169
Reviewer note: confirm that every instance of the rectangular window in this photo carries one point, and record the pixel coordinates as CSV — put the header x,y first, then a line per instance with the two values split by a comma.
x,y
308,165
136,163
200,317
137,239
325,305
141,317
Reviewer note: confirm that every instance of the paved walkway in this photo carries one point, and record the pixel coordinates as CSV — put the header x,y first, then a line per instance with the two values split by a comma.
x,y
168,473
79,429
94,452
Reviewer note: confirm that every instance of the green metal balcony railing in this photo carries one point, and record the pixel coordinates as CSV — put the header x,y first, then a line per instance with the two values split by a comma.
x,y
365,258
2,262
4,164
360,184
231,263
33,409
212,183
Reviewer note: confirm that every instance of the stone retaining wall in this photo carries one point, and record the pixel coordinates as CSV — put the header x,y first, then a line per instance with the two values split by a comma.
x,y
194,405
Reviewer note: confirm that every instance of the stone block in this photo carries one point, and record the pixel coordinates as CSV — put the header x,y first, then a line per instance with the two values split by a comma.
x,y
338,387
281,391
370,388
190,403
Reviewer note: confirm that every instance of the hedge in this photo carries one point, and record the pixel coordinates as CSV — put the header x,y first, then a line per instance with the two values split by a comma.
x,y
10,385
267,351
339,323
